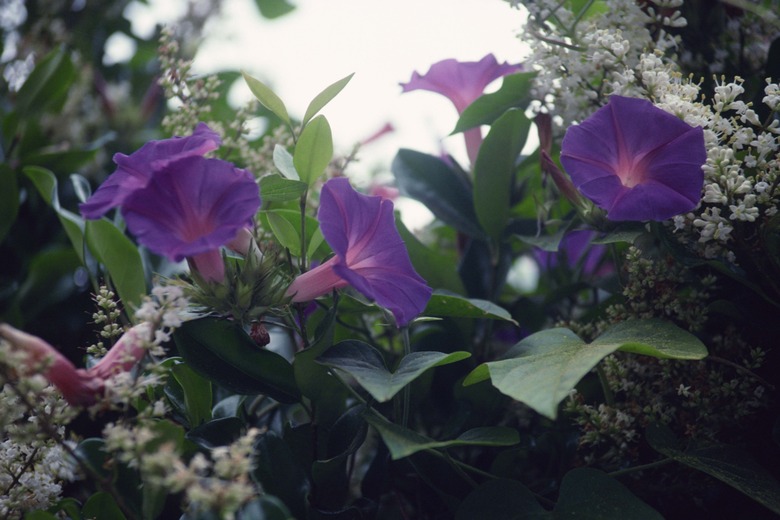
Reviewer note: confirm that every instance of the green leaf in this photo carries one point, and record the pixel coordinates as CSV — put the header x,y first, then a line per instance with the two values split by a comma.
x,y
285,232
366,365
314,150
267,98
284,162
437,269
46,183
655,338
502,499
223,352
403,442
272,9
121,258
276,188
591,494
197,393
218,432
9,199
624,233
494,170
49,280
324,97
91,452
514,93
101,506
293,218
266,507
543,368
47,85
277,470
729,464
446,194
455,306
39,515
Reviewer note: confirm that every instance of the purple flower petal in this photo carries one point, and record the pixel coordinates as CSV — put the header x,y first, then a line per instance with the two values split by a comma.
x,y
460,81
576,249
636,161
134,171
370,254
191,206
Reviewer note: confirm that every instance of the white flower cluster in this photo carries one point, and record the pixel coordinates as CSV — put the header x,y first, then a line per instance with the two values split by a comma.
x,y
165,310
33,464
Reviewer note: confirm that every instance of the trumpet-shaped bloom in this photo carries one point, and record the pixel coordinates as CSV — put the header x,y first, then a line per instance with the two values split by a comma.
x,y
636,161
462,82
370,254
135,170
77,385
190,208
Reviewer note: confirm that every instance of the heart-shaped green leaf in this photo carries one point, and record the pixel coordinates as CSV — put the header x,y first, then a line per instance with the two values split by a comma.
x,y
543,368
455,306
591,494
366,365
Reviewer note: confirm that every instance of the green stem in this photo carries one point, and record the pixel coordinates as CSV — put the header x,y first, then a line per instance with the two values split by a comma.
x,y
609,397
407,391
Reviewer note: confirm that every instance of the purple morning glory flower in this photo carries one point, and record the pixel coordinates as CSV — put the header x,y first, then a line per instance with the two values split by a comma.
x,y
575,248
370,254
636,161
462,82
134,171
190,208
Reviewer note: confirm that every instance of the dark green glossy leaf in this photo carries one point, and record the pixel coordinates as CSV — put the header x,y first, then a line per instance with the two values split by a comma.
x,y
365,363
502,499
267,507
49,280
276,469
9,199
429,180
101,505
219,432
403,442
275,188
121,259
543,368
729,464
223,352
63,162
495,168
591,494
40,515
436,268
324,97
314,150
91,452
267,98
514,93
455,306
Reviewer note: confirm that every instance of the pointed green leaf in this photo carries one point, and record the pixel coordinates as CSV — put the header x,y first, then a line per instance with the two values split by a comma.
x,y
366,365
267,97
515,92
223,352
197,393
729,464
403,442
293,218
438,269
502,499
447,195
276,188
314,244
272,9
47,85
324,97
284,232
314,150
46,183
284,162
495,168
591,494
455,306
102,505
543,368
655,338
121,259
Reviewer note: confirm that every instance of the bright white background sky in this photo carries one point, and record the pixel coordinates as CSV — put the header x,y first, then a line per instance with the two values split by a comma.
x,y
381,42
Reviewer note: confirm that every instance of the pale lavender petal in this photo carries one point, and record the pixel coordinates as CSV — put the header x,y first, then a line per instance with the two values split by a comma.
x,y
461,82
134,171
192,206
635,160
316,282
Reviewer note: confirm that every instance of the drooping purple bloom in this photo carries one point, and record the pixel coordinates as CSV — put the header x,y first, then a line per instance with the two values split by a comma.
x,y
135,170
190,208
462,82
636,161
370,254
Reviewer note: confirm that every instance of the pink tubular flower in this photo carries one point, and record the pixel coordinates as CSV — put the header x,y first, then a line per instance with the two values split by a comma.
x,y
462,82
370,254
79,386
636,161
